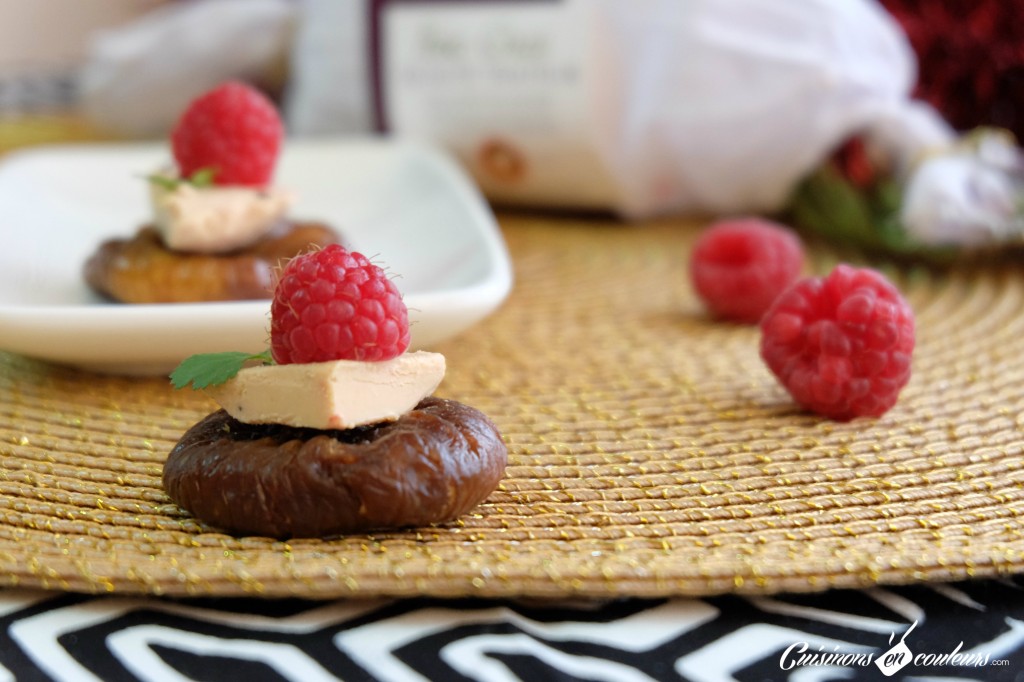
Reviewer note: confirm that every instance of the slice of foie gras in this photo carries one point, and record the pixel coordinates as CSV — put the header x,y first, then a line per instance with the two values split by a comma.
x,y
339,394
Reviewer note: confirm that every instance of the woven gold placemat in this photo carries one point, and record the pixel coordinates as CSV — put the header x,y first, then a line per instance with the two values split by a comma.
x,y
651,453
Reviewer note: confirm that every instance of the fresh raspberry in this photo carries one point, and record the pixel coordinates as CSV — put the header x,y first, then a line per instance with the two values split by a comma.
x,y
841,345
738,267
334,304
233,129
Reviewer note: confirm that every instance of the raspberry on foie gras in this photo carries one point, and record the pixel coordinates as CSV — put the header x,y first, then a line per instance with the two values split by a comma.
x,y
333,304
234,131
334,443
218,227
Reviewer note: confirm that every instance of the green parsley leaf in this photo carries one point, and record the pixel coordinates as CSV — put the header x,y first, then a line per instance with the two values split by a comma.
x,y
201,178
828,205
211,369
169,184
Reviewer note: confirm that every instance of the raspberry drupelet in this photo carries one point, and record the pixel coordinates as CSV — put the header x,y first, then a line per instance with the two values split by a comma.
x,y
739,266
334,304
841,345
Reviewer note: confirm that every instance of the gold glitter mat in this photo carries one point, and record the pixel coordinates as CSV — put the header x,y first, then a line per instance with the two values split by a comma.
x,y
651,453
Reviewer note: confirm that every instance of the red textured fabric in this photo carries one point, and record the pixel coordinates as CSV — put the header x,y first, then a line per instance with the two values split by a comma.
x,y
971,58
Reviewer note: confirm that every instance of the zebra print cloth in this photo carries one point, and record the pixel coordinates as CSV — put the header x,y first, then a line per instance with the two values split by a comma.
x,y
964,631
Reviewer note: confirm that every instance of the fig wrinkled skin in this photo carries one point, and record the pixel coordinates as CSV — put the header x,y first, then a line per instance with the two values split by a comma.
x,y
143,270
430,466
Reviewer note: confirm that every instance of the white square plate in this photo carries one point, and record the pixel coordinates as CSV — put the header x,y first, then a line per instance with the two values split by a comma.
x,y
408,207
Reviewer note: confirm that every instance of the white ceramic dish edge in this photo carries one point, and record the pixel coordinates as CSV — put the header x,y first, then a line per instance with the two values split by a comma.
x,y
151,339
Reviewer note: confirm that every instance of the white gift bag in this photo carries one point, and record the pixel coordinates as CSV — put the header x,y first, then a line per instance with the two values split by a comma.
x,y
642,107
139,77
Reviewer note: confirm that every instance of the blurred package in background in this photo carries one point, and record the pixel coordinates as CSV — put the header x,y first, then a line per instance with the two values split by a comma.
x,y
645,107
138,78
642,108
43,44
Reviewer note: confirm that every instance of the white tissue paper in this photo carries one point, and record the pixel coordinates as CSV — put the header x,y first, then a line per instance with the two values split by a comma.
x,y
139,78
646,107
643,108
970,194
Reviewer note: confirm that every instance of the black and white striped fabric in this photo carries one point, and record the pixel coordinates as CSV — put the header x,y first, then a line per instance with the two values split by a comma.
x,y
966,631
